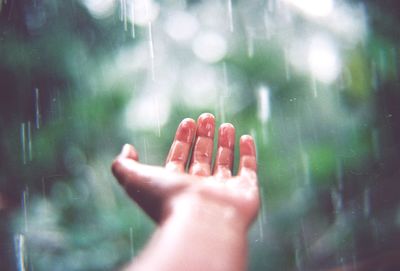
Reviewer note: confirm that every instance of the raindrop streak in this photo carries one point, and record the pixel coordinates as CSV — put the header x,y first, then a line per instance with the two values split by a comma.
x,y
23,142
337,201
145,150
230,15
306,166
37,109
367,202
20,251
151,48
121,15
157,107
271,6
132,16
375,144
250,43
263,211
263,110
298,253
29,139
24,207
43,188
287,67
125,15
221,108
151,44
339,173
225,93
263,104
261,229
226,82
314,86
131,240
268,32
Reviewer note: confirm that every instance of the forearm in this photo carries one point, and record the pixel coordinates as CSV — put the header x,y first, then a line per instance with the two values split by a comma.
x,y
205,236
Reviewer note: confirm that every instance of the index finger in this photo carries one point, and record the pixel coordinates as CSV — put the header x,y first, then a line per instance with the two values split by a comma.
x,y
180,148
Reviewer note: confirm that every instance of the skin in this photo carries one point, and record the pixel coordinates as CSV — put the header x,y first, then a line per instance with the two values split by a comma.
x,y
203,213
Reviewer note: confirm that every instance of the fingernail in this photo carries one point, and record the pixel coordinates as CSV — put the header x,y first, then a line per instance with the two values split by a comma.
x,y
227,135
206,125
186,131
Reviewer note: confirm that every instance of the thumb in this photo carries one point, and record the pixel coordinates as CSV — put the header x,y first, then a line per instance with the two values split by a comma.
x,y
128,151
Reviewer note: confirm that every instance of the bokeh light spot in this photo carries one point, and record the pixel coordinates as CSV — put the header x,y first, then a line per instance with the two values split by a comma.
x,y
210,47
323,60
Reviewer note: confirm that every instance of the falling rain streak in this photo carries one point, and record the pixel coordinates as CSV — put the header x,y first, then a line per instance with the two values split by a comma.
x,y
25,196
306,167
157,107
221,109
127,13
367,202
23,142
29,138
132,15
150,41
26,142
250,42
145,150
230,15
314,86
263,110
151,51
20,252
37,109
125,6
287,66
122,9
247,62
131,241
225,93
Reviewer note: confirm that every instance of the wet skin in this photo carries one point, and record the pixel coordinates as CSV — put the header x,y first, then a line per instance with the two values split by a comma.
x,y
205,202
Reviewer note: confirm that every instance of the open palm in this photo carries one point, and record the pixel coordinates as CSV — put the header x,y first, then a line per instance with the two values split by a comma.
x,y
162,190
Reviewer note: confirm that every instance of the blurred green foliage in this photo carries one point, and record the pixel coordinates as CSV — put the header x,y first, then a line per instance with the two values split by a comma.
x,y
73,87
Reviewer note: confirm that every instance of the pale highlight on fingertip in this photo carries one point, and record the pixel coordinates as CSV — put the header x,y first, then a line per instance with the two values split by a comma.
x,y
126,149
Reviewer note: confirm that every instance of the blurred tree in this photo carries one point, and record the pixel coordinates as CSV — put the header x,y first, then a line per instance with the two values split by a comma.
x,y
328,152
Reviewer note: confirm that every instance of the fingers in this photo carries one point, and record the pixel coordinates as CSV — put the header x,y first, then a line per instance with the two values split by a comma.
x,y
180,148
225,153
247,160
128,151
202,152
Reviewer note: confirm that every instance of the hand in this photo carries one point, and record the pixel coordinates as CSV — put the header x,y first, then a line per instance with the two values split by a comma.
x,y
161,191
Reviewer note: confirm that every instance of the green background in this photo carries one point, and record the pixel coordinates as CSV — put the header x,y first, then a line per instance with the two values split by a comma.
x,y
75,85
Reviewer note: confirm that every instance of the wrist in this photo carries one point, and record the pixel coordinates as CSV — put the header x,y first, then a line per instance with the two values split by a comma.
x,y
207,213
